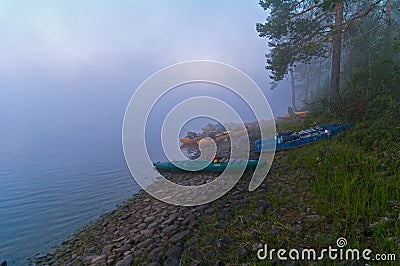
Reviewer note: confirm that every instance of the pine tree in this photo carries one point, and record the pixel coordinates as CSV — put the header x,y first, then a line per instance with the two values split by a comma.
x,y
299,30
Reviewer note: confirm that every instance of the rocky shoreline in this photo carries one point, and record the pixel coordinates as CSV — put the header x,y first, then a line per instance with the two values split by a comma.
x,y
227,231
230,230
142,230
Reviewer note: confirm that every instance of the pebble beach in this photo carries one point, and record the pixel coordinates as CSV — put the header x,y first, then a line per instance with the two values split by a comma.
x,y
145,231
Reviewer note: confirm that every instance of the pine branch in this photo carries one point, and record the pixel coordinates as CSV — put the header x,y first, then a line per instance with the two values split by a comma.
x,y
367,11
306,10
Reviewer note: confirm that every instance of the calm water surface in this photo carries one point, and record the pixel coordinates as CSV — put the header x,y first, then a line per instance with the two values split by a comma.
x,y
45,198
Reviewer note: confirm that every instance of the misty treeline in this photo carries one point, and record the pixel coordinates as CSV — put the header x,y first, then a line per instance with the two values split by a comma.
x,y
347,52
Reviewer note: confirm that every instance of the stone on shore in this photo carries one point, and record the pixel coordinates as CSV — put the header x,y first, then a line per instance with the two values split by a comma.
x,y
126,261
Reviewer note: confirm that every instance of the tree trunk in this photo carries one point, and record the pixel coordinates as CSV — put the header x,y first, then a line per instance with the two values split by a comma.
x,y
336,54
293,90
308,73
319,74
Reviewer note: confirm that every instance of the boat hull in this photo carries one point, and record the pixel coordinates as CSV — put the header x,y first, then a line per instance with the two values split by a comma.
x,y
189,140
290,140
225,136
206,166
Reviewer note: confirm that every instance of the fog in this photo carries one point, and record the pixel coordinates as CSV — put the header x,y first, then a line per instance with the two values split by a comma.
x,y
69,68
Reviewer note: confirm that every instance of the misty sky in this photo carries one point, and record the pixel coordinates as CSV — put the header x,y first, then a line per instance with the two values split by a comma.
x,y
69,68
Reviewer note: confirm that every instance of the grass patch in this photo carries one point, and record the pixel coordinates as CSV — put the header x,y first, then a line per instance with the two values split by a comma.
x,y
356,183
347,186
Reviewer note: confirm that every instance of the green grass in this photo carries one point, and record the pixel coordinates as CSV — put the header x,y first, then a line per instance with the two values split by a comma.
x,y
351,182
356,183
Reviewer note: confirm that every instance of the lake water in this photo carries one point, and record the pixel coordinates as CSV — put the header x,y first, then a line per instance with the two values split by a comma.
x,y
46,197
54,180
